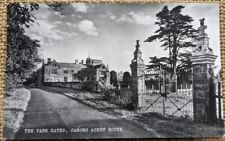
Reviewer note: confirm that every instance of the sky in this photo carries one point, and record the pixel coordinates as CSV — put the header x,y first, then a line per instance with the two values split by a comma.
x,y
109,31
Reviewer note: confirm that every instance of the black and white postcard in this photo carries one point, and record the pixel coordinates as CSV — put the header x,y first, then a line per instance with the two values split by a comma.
x,y
113,70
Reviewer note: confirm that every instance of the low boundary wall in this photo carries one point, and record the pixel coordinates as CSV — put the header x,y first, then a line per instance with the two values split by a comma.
x,y
74,85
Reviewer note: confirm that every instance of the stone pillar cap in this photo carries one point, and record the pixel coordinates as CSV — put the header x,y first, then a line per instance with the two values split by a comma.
x,y
203,59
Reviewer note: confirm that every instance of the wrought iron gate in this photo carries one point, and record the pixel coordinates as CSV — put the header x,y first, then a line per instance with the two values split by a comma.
x,y
161,97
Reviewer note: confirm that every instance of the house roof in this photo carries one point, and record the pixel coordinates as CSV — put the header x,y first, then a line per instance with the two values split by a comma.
x,y
67,65
100,65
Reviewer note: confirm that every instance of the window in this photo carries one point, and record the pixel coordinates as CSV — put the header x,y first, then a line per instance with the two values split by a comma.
x,y
65,71
54,71
65,79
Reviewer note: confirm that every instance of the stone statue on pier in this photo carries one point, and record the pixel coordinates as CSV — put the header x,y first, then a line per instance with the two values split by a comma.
x,y
138,42
202,21
202,40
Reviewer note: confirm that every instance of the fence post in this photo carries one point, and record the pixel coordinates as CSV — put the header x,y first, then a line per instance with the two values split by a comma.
x,y
219,99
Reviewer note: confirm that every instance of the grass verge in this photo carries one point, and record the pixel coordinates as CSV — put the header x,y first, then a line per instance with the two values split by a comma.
x,y
15,104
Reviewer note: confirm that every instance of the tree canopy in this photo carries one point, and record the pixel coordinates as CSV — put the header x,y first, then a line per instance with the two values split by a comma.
x,y
22,51
86,74
175,32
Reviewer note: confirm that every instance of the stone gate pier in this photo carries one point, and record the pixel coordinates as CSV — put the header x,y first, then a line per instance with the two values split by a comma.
x,y
203,78
138,76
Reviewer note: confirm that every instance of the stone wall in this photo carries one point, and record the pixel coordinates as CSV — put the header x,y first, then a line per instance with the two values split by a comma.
x,y
75,85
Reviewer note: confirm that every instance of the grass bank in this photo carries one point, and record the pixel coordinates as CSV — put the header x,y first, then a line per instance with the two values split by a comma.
x,y
15,104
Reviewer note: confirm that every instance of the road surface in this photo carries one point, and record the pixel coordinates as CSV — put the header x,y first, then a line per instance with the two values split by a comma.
x,y
55,116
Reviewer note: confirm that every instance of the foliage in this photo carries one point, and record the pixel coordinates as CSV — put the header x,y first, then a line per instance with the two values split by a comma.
x,y
61,8
22,51
90,86
184,68
86,74
113,79
162,62
56,6
127,79
175,33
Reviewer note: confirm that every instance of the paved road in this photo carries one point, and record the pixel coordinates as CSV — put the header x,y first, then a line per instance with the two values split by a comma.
x,y
52,115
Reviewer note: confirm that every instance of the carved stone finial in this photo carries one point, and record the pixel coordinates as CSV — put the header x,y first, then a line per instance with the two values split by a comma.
x,y
202,21
137,43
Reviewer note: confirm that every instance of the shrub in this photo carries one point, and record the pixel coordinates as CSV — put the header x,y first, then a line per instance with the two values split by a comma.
x,y
127,80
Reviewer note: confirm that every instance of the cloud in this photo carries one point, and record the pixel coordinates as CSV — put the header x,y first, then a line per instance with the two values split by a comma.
x,y
52,26
45,30
113,17
88,27
48,33
140,18
80,7
125,18
132,17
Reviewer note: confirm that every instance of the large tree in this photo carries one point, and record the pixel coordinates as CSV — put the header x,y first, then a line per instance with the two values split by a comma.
x,y
22,51
159,63
176,33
